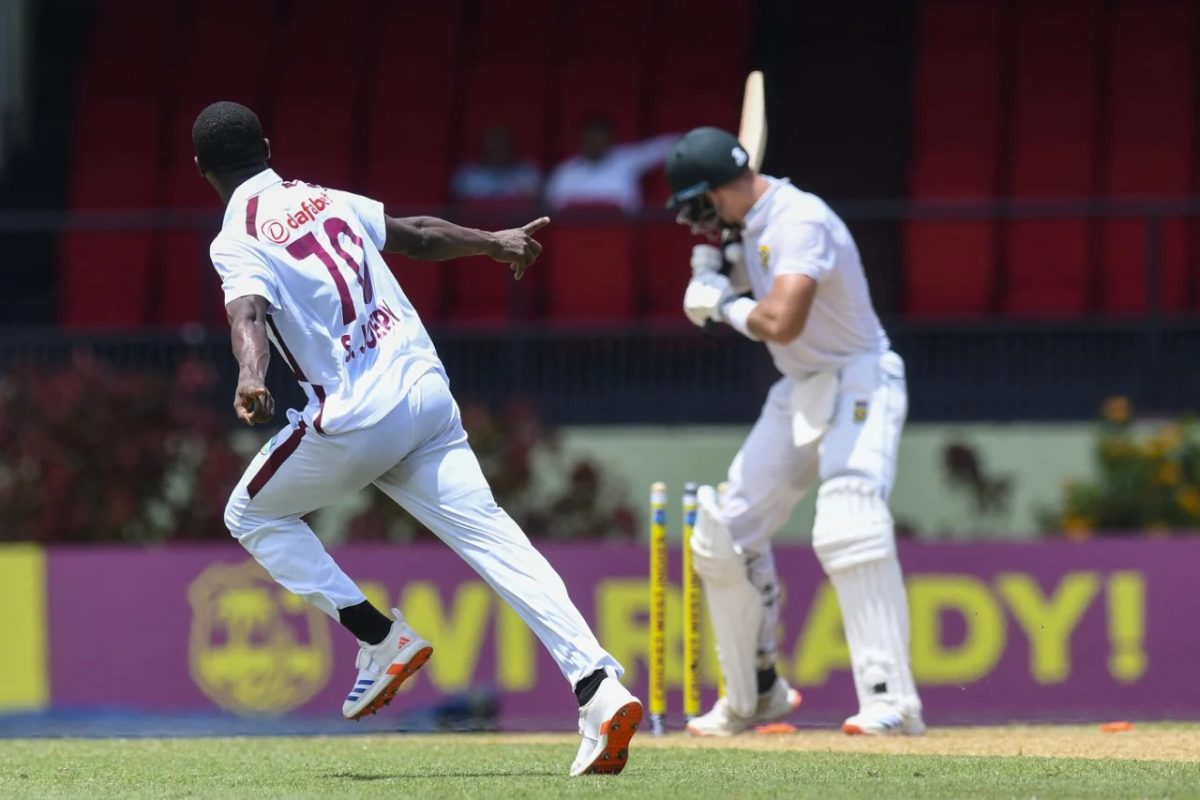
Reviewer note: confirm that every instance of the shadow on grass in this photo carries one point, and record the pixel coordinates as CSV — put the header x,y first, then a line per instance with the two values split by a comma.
x,y
354,776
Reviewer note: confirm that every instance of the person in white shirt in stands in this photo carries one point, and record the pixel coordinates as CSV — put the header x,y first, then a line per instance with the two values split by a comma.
x,y
498,175
604,173
300,265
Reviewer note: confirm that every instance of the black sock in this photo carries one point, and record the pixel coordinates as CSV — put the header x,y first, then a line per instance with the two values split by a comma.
x,y
588,686
766,679
366,622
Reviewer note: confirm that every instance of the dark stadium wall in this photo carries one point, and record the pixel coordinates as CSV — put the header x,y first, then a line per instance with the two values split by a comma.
x,y
37,175
839,100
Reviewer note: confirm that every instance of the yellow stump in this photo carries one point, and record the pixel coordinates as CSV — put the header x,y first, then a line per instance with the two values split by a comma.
x,y
658,600
691,610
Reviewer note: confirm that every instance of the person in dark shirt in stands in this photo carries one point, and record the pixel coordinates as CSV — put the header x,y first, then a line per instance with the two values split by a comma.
x,y
499,174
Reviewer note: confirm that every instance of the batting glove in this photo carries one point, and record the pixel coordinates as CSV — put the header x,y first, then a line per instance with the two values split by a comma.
x,y
706,259
704,297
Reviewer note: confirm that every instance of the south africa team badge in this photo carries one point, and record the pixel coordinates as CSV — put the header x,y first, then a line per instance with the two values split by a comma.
x,y
764,256
860,411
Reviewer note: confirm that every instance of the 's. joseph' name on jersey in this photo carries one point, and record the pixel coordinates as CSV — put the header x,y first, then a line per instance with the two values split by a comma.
x,y
379,324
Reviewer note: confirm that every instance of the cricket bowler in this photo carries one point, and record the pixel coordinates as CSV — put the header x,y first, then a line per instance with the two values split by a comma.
x,y
300,266
796,283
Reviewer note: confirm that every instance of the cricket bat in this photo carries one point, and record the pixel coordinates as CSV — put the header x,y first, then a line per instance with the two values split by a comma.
x,y
752,132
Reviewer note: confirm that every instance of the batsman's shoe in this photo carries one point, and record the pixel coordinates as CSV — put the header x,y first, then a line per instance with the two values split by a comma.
x,y
780,701
383,667
884,719
720,721
607,722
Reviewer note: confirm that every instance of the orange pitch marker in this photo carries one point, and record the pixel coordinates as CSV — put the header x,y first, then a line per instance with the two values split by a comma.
x,y
1119,726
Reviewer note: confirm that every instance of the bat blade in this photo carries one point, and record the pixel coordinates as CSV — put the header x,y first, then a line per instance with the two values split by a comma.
x,y
752,132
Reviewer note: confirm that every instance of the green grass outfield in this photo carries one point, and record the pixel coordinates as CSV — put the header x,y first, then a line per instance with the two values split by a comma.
x,y
1150,761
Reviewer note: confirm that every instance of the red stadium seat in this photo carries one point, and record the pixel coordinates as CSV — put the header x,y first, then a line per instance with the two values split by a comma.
x,y
321,49
229,62
422,283
701,28
313,138
589,272
482,291
663,270
187,288
616,29
1054,154
408,164
120,182
513,94
432,31
1150,146
104,279
131,50
508,31
950,265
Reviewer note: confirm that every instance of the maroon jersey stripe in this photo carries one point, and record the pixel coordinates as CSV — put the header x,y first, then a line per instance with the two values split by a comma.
x,y
275,460
293,365
319,391
252,216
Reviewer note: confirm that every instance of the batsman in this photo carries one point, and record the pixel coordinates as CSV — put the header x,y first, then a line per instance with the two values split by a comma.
x,y
789,275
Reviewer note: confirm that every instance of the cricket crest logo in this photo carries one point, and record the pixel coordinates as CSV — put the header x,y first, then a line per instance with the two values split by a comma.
x,y
254,647
764,257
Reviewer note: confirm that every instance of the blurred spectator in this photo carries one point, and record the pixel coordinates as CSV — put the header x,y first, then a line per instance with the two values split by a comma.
x,y
499,174
604,174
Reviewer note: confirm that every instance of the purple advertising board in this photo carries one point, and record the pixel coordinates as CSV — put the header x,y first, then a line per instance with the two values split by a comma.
x,y
1039,631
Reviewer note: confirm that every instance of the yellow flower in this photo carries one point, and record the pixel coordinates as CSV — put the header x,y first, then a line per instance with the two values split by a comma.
x,y
1171,435
1188,499
1153,448
1117,409
1076,527
1168,474
1114,448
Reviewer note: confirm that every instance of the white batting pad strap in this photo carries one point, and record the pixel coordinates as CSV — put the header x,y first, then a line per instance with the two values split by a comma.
x,y
875,613
853,525
734,605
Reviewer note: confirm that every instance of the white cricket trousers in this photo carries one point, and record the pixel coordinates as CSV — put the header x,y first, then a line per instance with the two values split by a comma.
x,y
418,455
770,475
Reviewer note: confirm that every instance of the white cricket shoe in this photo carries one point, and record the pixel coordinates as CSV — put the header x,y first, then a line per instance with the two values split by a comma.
x,y
607,722
383,667
776,704
720,721
884,719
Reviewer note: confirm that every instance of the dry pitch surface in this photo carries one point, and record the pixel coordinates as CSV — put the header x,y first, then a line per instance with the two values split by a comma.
x,y
1011,762
1169,742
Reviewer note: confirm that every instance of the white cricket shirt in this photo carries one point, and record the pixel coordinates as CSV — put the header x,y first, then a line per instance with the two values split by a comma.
x,y
337,315
790,232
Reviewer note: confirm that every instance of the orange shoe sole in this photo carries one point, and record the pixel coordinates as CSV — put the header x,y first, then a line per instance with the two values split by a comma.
x,y
619,730
400,673
852,730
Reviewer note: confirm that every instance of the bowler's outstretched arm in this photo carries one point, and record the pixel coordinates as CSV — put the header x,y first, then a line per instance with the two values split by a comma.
x,y
434,239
